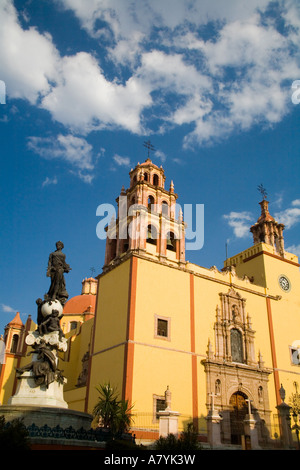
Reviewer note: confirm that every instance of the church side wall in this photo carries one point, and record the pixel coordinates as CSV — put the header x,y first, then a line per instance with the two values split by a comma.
x,y
162,361
110,331
285,315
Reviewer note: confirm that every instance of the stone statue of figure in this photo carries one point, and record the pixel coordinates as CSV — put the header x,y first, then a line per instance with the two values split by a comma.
x,y
44,367
57,266
51,323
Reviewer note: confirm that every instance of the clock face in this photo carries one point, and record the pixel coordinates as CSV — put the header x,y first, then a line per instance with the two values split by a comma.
x,y
284,283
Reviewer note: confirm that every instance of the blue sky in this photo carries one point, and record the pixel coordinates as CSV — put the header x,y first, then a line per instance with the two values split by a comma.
x,y
87,82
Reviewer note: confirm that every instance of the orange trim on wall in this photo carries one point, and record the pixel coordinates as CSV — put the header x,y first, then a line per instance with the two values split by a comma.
x,y
2,370
86,401
129,347
22,353
272,256
273,352
194,357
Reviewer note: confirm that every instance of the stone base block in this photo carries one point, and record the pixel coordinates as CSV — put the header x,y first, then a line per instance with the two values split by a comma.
x,y
168,423
51,416
52,428
30,394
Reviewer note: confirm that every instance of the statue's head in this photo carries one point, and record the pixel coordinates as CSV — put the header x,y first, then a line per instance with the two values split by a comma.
x,y
59,245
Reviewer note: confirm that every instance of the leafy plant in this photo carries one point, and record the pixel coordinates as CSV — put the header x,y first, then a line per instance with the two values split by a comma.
x,y
111,412
186,442
13,435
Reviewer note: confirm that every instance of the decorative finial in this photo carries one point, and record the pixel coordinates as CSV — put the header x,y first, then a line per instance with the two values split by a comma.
x,y
282,393
262,191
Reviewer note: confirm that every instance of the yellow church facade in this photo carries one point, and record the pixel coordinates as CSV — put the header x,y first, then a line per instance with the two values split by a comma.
x,y
153,321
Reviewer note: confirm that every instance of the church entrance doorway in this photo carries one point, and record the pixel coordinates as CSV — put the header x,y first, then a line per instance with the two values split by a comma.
x,y
238,411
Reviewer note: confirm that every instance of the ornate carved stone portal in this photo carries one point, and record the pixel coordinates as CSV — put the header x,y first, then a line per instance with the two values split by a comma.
x,y
233,374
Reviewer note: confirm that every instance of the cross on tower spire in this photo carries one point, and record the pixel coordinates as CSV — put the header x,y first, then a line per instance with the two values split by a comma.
x,y
149,146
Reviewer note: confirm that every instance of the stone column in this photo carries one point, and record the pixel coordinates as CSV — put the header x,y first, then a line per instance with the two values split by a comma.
x,y
284,419
213,425
168,423
250,428
168,419
285,425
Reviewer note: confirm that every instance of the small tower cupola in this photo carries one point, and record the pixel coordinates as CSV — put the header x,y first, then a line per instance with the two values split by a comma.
x,y
89,286
13,335
268,230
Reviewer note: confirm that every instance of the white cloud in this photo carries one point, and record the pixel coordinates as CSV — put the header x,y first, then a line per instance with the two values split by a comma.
x,y
290,216
28,60
161,155
295,249
228,83
8,309
121,19
74,150
121,161
48,181
239,222
170,71
84,100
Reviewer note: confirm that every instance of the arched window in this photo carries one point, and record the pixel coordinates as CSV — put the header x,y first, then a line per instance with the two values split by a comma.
x,y
125,245
171,241
218,387
14,344
146,176
151,202
73,325
151,234
236,340
276,242
165,208
155,180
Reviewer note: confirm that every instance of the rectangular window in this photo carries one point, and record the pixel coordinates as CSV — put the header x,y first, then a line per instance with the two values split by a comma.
x,y
159,404
162,327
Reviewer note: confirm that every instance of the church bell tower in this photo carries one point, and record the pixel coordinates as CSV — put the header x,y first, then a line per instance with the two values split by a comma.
x,y
267,230
147,222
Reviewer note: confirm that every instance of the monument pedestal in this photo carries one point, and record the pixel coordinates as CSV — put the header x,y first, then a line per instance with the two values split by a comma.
x,y
53,428
29,394
168,423
284,419
251,431
214,428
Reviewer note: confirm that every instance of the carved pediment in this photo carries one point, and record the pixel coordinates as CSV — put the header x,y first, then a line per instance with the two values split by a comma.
x,y
233,307
233,330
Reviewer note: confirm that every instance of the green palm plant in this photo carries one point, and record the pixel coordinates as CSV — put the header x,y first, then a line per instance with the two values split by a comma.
x,y
124,416
112,413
